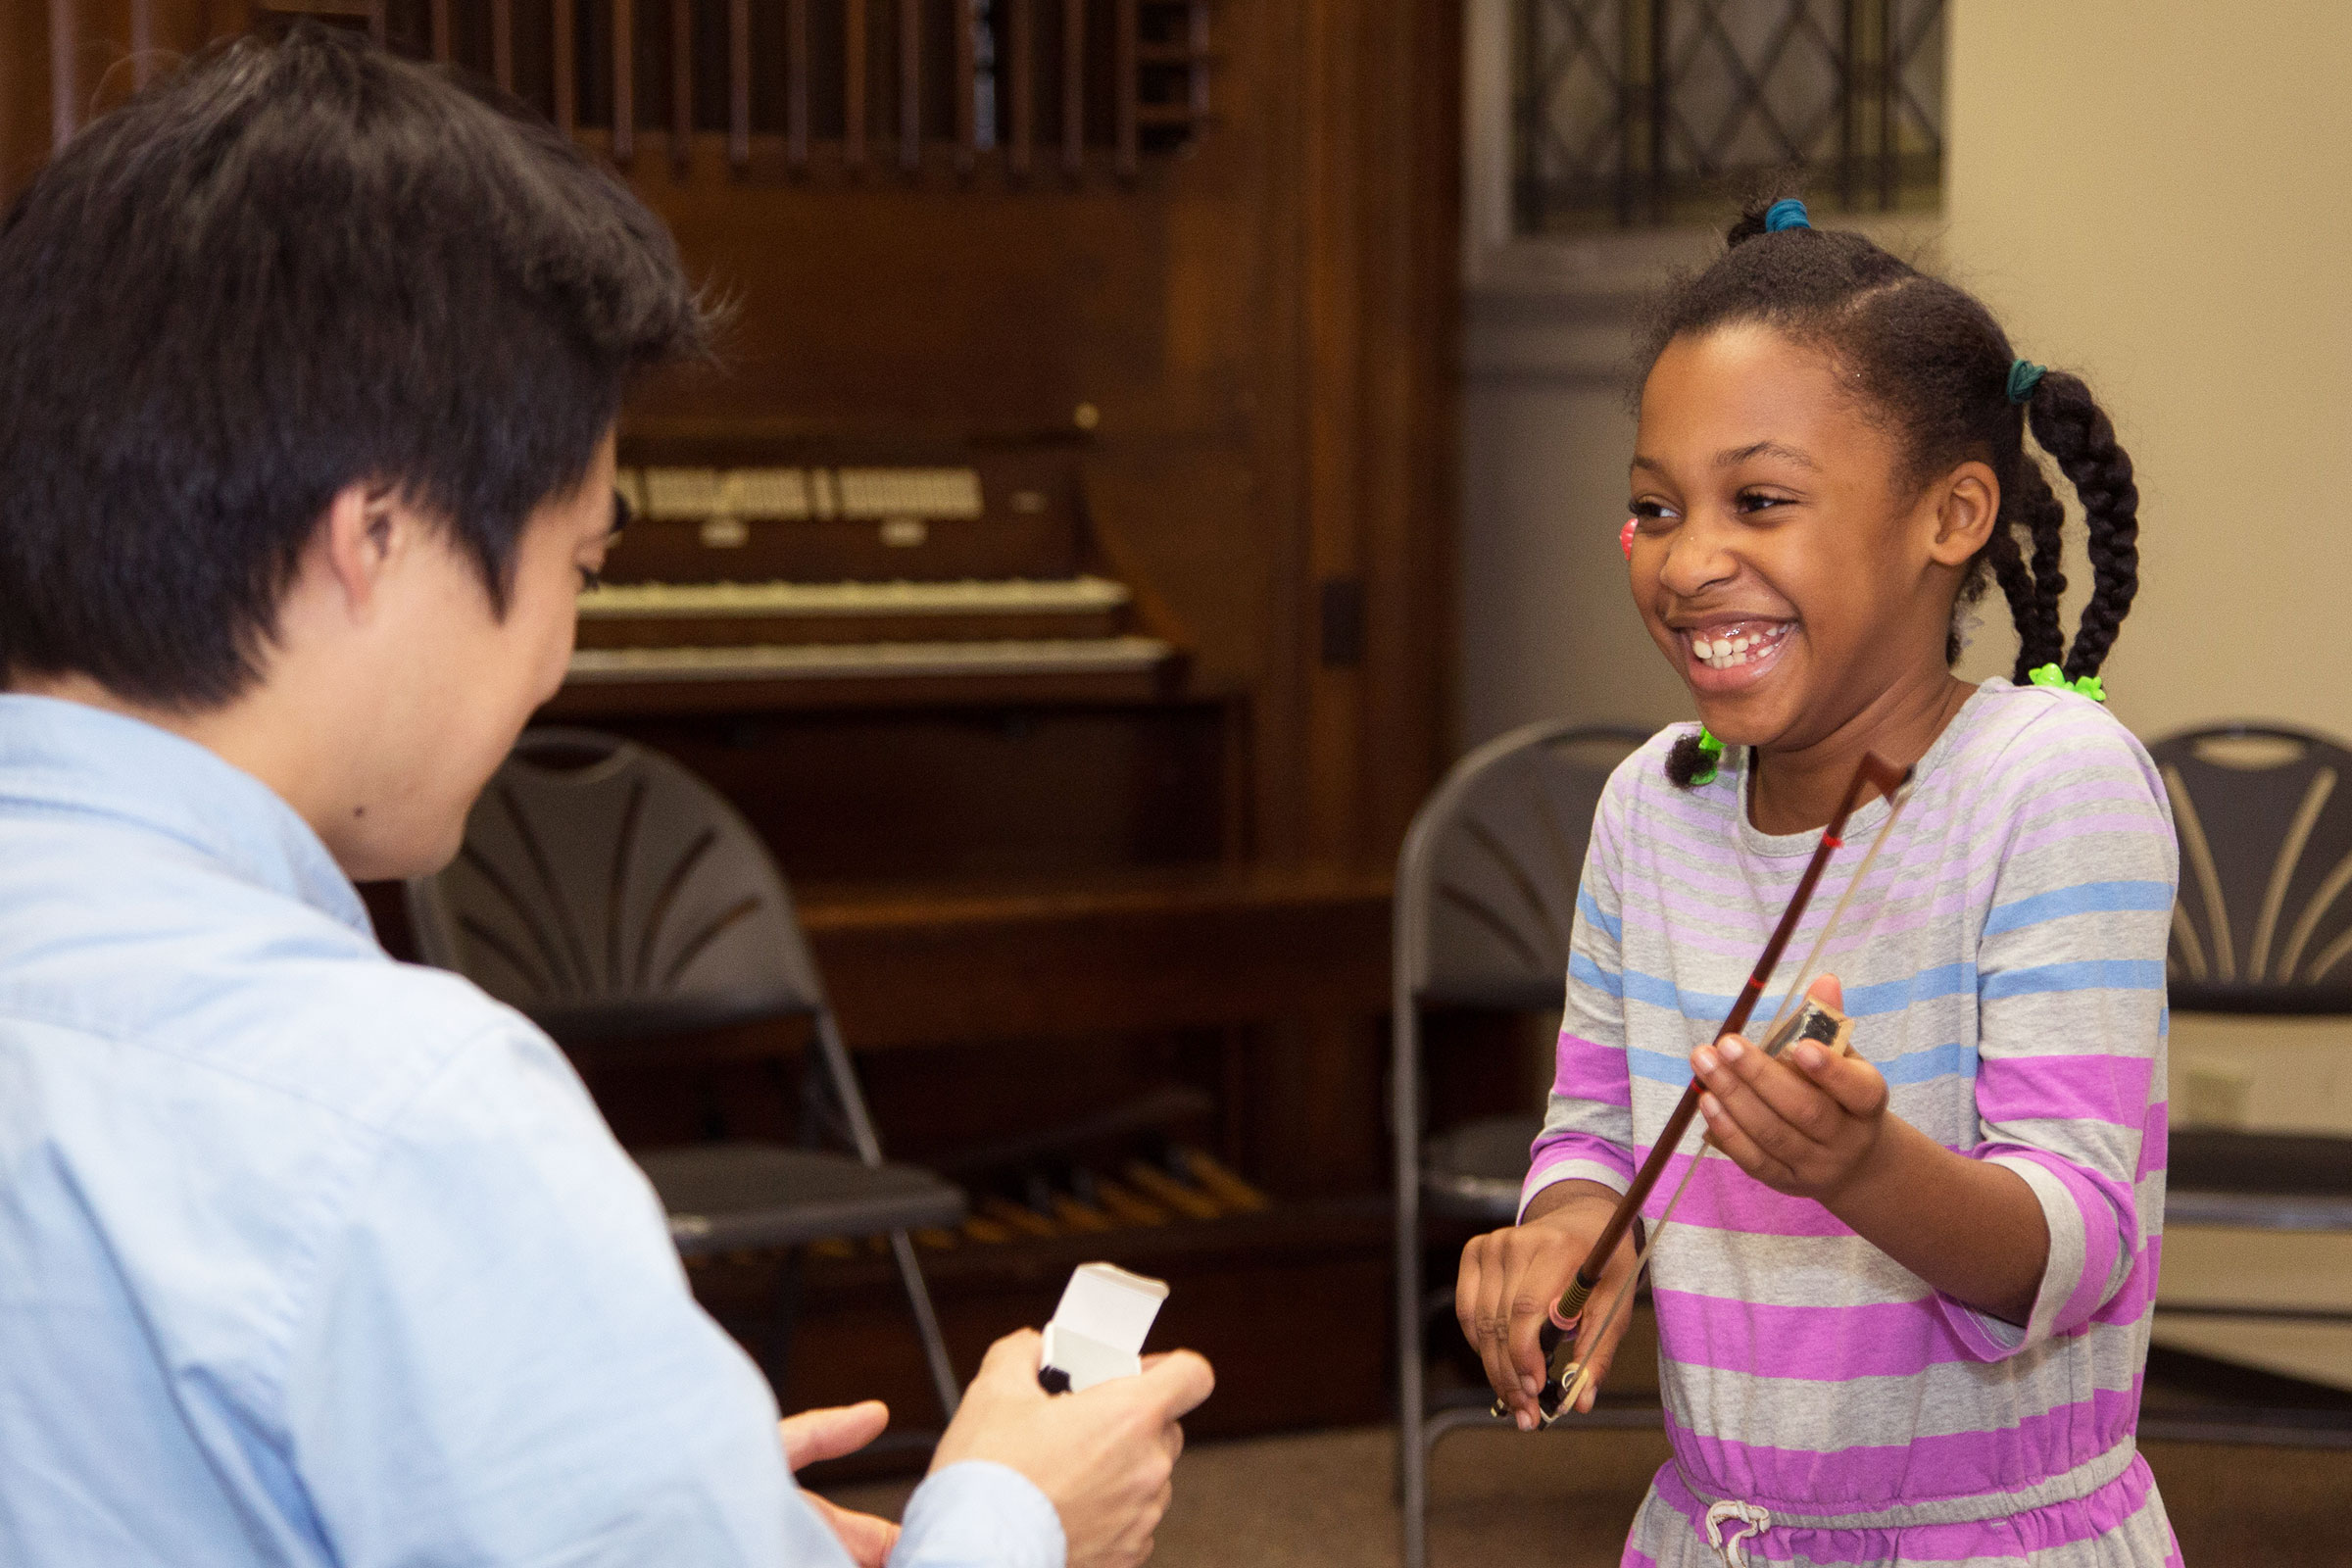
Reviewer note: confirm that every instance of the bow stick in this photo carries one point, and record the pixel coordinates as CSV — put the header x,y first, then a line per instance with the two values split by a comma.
x,y
1567,1374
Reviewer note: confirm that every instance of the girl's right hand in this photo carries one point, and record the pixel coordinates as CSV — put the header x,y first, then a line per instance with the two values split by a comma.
x,y
1511,1277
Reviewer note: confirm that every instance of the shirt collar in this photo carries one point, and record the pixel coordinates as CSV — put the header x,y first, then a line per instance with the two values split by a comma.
x,y
68,756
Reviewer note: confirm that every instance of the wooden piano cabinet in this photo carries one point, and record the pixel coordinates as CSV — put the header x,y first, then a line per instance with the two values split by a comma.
x,y
1178,949
932,798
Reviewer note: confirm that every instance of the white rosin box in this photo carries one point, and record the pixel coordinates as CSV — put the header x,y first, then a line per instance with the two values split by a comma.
x,y
1098,1331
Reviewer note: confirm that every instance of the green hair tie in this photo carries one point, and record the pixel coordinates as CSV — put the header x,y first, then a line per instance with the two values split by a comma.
x,y
2024,376
1711,749
2052,676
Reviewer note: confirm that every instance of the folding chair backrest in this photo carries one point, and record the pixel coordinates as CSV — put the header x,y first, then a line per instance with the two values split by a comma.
x,y
609,892
2264,921
1487,884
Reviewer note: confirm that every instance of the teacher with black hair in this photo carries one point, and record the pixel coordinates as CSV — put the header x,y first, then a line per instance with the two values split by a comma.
x,y
309,364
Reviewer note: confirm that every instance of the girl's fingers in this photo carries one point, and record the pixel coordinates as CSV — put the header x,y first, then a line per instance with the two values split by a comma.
x,y
1739,1104
1487,1288
1858,1088
1767,1095
1743,1150
1470,1293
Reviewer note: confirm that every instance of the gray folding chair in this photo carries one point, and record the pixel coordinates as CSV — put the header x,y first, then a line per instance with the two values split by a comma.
x,y
1486,893
2263,925
612,896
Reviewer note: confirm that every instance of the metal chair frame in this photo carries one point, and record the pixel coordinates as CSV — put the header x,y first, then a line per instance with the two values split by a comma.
x,y
633,1009
1417,985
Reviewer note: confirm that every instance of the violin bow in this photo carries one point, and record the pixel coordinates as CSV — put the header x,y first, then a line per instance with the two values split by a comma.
x,y
1568,1375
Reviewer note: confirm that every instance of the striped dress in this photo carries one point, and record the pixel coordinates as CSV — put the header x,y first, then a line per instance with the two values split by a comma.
x,y
2004,963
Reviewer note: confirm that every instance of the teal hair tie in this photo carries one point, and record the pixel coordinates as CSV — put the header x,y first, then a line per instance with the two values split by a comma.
x,y
2024,376
1712,749
1787,213
2052,676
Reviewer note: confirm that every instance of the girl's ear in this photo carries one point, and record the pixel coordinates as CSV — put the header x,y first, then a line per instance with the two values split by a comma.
x,y
1967,505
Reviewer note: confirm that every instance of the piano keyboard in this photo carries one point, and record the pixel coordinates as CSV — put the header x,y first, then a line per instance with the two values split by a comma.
x,y
789,494
1076,596
1075,655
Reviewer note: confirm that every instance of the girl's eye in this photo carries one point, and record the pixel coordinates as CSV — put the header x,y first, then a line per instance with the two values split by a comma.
x,y
1761,501
1654,512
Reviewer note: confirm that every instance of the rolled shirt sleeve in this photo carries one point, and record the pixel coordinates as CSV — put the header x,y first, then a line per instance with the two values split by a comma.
x,y
2070,1086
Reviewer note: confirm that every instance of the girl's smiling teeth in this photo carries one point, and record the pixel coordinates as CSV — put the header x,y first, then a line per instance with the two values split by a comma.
x,y
1740,643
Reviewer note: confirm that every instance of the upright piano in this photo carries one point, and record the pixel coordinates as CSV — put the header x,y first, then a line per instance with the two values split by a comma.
x,y
969,577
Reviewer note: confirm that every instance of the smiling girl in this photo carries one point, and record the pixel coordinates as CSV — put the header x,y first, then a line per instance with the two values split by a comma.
x,y
1904,1321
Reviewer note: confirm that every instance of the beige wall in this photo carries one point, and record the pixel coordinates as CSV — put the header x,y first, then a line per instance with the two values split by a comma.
x,y
2157,193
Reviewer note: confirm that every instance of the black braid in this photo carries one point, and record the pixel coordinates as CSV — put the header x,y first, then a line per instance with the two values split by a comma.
x,y
2042,638
2008,567
1935,363
2078,435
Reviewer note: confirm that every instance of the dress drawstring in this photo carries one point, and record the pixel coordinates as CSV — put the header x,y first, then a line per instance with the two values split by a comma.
x,y
1751,1520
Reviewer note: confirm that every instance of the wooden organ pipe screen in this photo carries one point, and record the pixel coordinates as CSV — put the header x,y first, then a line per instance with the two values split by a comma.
x,y
795,85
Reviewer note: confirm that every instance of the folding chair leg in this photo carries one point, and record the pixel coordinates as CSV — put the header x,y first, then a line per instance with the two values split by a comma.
x,y
852,1101
926,1323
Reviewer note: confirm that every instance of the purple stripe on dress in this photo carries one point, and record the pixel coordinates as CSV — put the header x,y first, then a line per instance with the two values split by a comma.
x,y
1588,1071
2137,1294
2155,1140
2101,1088
1558,1148
2034,840
1817,1344
2128,794
1959,1464
1725,1197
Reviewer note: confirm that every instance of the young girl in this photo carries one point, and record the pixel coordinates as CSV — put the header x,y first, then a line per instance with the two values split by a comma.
x,y
1904,1321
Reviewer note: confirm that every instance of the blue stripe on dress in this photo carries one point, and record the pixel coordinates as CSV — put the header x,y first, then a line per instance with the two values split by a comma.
x,y
2083,974
1587,906
1702,1006
1911,1068
2085,898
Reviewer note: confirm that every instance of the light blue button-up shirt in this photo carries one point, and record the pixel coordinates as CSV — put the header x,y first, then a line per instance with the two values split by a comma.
x,y
312,1257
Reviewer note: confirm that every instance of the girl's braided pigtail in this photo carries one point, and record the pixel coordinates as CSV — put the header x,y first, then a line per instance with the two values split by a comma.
x,y
2040,634
2077,434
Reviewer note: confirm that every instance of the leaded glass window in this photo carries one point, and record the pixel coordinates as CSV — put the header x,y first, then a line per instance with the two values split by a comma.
x,y
1641,113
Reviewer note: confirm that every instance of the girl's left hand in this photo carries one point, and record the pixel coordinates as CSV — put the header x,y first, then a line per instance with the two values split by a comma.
x,y
1805,1124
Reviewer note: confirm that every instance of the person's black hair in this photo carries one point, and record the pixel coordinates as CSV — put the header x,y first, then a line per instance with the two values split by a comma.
x,y
297,265
1932,367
